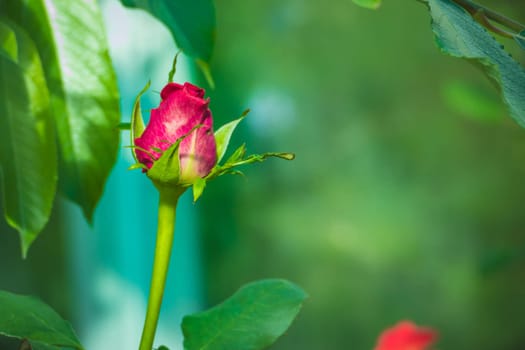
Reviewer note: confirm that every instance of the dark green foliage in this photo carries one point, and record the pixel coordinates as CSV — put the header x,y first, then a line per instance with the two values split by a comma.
x,y
25,317
251,319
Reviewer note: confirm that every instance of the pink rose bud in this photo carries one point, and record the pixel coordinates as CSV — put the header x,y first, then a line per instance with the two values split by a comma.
x,y
182,109
406,336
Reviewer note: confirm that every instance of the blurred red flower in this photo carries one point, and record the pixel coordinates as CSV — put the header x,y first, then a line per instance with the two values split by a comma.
x,y
406,336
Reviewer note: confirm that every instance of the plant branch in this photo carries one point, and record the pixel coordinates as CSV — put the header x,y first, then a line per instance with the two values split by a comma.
x,y
475,10
165,233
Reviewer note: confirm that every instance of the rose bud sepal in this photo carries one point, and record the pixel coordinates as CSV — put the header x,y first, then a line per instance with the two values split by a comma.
x,y
137,122
222,140
165,171
238,157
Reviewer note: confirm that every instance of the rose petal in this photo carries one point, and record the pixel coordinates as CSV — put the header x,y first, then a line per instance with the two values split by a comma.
x,y
194,90
182,109
169,89
197,154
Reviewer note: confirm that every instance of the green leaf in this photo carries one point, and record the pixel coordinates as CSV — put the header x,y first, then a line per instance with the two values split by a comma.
x,y
237,155
41,346
8,45
252,319
237,159
173,68
28,161
191,22
26,317
369,4
70,39
459,35
224,133
165,171
473,102
138,166
257,158
137,122
124,126
205,69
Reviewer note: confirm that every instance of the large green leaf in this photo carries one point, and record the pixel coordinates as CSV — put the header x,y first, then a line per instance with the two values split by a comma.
x,y
70,39
25,317
459,35
191,22
252,319
28,161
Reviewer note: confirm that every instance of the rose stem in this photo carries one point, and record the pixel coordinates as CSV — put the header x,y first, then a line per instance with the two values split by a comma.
x,y
165,232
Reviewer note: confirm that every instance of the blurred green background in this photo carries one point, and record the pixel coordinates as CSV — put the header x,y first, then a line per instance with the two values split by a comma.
x,y
405,201
406,198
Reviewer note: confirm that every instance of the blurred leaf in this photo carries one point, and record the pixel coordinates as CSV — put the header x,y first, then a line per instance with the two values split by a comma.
x,y
369,4
70,38
471,101
124,126
191,22
459,35
173,70
28,161
205,69
496,260
520,39
253,318
25,317
41,346
8,42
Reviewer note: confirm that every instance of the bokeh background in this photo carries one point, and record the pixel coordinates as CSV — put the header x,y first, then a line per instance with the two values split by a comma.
x,y
405,201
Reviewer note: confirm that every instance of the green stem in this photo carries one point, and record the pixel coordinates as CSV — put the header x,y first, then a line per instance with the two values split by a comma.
x,y
165,232
474,8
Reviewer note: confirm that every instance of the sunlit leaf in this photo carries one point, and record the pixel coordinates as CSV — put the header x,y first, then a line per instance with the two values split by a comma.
x,y
8,44
70,39
28,161
25,317
251,319
370,4
459,35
